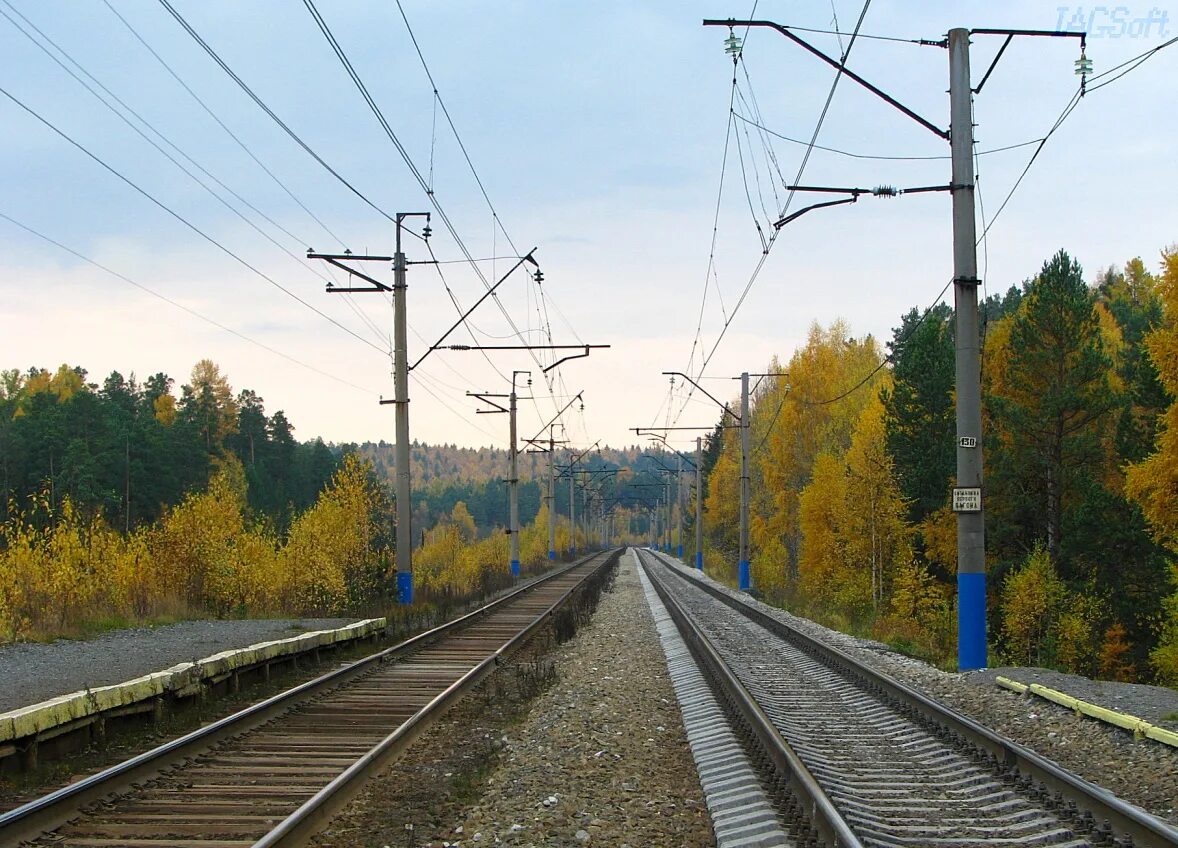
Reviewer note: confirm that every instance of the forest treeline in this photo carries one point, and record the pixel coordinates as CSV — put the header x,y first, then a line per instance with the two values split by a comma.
x,y
853,465
128,501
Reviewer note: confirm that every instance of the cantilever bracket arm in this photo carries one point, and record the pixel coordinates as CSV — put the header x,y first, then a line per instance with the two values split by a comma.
x,y
436,345
485,397
578,396
572,356
333,259
887,98
720,404
793,216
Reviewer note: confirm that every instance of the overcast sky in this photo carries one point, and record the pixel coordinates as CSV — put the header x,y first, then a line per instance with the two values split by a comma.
x,y
598,131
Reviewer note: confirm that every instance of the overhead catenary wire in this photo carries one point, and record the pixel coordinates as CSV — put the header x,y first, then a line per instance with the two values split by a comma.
x,y
159,203
881,157
341,55
180,165
789,199
118,275
1071,105
208,110
265,108
982,240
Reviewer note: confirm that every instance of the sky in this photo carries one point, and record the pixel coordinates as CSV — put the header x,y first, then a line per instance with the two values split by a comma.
x,y
600,133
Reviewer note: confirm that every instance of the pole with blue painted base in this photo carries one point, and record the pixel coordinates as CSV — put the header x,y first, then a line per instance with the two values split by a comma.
x,y
745,573
552,493
699,504
967,495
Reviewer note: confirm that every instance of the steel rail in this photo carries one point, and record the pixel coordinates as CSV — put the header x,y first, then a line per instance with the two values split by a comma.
x,y
1125,819
816,805
56,809
308,819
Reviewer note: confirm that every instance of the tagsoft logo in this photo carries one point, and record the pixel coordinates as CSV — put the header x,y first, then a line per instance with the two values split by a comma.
x,y
1113,21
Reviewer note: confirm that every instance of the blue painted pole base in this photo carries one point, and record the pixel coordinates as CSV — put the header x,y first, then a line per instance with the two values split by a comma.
x,y
552,555
746,577
404,587
971,621
699,560
680,552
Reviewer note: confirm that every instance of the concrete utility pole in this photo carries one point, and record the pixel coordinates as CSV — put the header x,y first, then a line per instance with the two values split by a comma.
x,y
404,508
572,512
667,521
552,493
513,483
967,496
679,502
745,572
699,504
401,406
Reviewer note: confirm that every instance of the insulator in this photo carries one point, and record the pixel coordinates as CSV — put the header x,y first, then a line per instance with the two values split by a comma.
x,y
1083,65
885,191
539,276
426,232
732,44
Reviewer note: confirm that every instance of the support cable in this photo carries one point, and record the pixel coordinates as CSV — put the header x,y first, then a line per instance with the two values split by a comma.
x,y
159,203
178,305
262,105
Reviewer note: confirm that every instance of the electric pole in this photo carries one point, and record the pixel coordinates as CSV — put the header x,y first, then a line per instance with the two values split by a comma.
x,y
401,408
699,508
967,496
513,461
404,507
552,493
679,503
745,575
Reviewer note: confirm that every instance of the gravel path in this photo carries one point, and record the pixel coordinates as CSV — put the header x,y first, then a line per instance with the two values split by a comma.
x,y
1142,772
34,671
602,758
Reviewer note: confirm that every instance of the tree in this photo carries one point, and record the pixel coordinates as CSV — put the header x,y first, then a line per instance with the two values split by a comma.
x,y
207,401
920,418
1051,385
876,534
1153,482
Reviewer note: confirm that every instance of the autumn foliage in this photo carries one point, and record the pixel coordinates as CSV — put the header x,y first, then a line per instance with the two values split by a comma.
x,y
853,462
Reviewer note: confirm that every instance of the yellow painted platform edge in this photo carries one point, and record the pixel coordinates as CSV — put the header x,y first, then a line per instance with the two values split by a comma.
x,y
1139,726
35,718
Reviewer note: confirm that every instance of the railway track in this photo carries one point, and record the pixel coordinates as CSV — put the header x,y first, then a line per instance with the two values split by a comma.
x,y
274,774
869,761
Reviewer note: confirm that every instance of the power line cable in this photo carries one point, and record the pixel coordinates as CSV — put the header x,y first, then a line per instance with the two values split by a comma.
x,y
262,105
78,145
542,308
789,199
876,157
208,110
107,103
178,305
438,209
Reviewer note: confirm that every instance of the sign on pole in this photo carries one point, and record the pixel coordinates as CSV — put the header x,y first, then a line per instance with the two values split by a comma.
x,y
967,499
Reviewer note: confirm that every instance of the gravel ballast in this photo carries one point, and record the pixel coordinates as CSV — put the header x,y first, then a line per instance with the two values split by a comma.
x,y
34,671
1143,772
602,758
